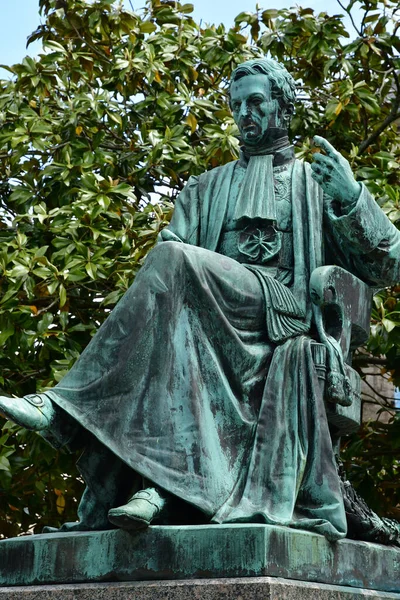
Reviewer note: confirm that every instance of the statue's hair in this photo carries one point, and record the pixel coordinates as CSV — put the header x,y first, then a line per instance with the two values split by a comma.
x,y
283,86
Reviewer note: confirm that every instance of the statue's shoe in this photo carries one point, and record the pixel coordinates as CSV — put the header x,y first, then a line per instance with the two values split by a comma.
x,y
35,411
139,511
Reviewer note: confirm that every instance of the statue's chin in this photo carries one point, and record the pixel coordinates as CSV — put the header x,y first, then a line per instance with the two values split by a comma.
x,y
252,139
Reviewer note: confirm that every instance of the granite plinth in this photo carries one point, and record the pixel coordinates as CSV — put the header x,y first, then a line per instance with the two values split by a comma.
x,y
254,588
206,551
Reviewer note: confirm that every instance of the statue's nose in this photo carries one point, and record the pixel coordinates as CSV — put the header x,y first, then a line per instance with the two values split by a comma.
x,y
244,110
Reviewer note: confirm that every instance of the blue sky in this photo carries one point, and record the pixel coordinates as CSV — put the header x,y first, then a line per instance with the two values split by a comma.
x,y
20,17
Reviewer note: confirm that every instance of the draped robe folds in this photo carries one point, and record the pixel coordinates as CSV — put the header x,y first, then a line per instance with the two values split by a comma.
x,y
183,384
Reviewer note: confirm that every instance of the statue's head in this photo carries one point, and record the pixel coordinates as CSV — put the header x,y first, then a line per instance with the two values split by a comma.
x,y
262,96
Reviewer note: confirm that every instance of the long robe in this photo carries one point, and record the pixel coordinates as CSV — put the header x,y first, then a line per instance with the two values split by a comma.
x,y
183,383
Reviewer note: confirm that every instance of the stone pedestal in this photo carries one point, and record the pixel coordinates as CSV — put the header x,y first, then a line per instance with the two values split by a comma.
x,y
251,588
201,552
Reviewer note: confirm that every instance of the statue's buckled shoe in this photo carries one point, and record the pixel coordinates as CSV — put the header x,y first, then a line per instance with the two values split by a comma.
x,y
139,511
34,411
35,399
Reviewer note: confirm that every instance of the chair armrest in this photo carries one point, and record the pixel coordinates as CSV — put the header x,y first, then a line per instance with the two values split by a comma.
x,y
345,303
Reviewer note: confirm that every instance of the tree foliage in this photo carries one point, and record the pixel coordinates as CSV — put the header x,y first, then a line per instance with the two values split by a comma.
x,y
98,135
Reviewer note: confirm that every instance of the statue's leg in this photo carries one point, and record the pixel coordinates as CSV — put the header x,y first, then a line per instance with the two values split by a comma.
x,y
109,482
171,381
292,477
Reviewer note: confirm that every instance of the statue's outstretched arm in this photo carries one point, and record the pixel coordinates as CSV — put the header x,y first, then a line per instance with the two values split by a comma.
x,y
358,228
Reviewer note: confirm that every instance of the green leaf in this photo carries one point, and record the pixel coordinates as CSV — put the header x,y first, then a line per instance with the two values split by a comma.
x,y
53,45
368,173
147,27
20,195
269,14
63,295
115,117
4,464
388,325
45,323
187,8
7,68
7,330
246,17
372,18
91,270
104,201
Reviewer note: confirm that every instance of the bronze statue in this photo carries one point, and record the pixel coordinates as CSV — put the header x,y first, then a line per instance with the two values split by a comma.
x,y
203,385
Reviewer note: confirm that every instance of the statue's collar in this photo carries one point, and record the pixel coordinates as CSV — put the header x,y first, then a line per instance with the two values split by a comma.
x,y
281,155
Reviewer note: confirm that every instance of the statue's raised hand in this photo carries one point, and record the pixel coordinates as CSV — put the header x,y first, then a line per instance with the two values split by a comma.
x,y
333,172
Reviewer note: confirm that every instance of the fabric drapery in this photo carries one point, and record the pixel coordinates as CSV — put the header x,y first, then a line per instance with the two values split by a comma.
x,y
195,402
256,201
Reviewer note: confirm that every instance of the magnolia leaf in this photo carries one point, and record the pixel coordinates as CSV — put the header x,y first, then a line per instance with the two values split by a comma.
x,y
60,503
147,27
6,332
268,14
53,45
4,464
63,295
388,325
187,8
192,122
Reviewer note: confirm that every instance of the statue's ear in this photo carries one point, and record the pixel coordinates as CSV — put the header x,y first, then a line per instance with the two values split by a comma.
x,y
287,113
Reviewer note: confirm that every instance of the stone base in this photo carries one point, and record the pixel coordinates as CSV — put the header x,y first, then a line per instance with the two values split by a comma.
x,y
202,551
252,588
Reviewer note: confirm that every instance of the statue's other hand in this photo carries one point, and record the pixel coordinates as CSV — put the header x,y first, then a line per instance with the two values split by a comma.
x,y
333,172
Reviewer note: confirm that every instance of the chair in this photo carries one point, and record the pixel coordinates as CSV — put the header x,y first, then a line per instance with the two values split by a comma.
x,y
345,304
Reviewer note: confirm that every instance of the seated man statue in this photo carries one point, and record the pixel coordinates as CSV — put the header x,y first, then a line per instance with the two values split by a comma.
x,y
200,390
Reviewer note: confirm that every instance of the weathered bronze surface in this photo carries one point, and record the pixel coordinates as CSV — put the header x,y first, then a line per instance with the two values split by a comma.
x,y
202,551
223,377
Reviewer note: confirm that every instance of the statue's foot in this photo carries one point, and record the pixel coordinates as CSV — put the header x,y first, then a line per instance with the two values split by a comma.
x,y
139,512
35,411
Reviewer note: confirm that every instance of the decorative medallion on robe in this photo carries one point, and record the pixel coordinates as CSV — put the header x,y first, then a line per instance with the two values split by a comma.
x,y
260,245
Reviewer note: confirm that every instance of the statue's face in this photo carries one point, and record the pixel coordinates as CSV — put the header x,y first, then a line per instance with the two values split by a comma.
x,y
253,108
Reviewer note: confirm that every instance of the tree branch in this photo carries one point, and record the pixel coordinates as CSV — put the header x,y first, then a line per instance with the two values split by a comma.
x,y
350,15
85,41
369,360
384,398
46,308
392,116
375,134
30,375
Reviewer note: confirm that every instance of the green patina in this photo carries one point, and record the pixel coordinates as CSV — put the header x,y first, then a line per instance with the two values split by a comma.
x,y
223,377
202,551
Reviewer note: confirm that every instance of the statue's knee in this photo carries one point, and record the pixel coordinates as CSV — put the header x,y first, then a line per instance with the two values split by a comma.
x,y
163,272
167,256
169,249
